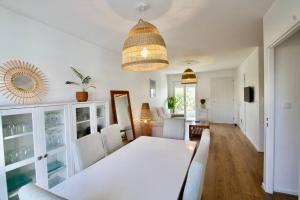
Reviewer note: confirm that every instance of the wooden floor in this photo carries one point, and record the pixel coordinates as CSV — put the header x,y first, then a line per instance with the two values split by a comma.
x,y
234,170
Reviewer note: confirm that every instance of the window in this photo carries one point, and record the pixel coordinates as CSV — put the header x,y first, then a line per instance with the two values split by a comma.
x,y
190,101
179,94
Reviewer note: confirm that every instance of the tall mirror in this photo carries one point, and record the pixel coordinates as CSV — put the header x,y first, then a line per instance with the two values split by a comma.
x,y
122,114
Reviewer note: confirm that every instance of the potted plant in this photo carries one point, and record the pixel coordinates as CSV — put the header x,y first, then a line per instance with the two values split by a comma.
x,y
172,103
84,84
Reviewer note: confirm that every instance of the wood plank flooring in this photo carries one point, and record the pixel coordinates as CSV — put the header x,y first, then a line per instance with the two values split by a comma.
x,y
234,170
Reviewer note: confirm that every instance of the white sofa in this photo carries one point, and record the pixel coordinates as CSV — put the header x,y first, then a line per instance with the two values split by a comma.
x,y
159,114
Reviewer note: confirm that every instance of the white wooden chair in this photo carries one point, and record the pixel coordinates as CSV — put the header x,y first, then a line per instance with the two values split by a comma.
x,y
174,129
32,192
87,151
196,174
111,138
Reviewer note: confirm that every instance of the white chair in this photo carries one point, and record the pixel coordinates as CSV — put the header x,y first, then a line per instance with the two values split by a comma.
x,y
174,129
194,184
33,192
111,138
88,150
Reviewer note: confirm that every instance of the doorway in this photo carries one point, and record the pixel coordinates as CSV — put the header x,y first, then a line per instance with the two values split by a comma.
x,y
187,100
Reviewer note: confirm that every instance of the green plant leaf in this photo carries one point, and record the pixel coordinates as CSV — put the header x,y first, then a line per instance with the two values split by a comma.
x,y
71,83
77,73
86,80
172,102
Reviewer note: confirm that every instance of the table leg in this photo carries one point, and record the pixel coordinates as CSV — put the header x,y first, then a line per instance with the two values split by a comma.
x,y
190,132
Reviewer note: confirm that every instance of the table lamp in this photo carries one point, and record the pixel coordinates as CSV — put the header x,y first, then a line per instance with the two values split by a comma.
x,y
146,117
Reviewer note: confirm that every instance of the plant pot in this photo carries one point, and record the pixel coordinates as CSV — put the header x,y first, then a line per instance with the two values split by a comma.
x,y
82,96
202,101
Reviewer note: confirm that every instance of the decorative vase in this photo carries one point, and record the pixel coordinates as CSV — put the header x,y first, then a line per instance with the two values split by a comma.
x,y
203,101
82,96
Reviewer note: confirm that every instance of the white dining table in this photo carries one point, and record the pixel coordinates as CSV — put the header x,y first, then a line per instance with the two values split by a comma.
x,y
148,168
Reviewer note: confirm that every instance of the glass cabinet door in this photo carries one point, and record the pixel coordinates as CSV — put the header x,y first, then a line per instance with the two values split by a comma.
x,y
18,144
55,136
83,121
100,117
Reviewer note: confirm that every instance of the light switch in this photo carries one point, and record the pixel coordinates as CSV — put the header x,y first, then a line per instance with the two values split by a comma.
x,y
287,106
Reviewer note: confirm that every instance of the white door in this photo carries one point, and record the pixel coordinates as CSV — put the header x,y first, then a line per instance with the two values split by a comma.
x,y
54,162
17,150
222,100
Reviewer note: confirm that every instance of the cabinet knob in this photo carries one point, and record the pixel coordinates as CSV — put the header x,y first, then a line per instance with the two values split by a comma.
x,y
40,158
46,155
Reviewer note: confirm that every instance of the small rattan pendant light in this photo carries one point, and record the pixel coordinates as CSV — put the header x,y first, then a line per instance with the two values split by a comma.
x,y
188,77
144,49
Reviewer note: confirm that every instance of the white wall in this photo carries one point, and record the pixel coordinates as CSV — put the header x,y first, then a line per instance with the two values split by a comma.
x,y
250,117
204,87
54,52
280,17
287,115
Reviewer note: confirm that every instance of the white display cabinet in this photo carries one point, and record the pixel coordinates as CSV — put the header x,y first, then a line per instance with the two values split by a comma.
x,y
18,150
89,117
36,142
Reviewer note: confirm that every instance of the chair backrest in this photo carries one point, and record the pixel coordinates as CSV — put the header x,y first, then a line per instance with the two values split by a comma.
x,y
87,151
174,129
30,192
111,138
195,179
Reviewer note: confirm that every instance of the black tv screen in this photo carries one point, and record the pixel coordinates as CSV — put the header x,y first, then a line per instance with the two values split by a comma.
x,y
249,94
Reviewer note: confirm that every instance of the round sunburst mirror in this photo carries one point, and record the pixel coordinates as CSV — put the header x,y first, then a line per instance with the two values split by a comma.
x,y
22,82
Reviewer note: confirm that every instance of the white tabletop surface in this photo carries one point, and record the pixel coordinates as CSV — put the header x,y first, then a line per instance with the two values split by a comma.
x,y
148,168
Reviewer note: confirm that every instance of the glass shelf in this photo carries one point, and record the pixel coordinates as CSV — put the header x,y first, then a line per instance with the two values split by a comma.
x,y
15,182
55,128
19,177
17,136
55,181
55,167
56,149
19,164
81,122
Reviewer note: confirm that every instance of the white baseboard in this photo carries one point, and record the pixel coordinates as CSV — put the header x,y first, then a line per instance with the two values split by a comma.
x,y
255,146
286,191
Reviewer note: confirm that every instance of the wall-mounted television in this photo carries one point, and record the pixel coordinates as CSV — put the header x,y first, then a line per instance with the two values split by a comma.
x,y
249,94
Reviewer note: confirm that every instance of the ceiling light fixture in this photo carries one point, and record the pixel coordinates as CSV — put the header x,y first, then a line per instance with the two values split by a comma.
x,y
188,77
144,49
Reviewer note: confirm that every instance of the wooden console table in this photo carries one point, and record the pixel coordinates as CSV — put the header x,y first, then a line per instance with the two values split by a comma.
x,y
196,128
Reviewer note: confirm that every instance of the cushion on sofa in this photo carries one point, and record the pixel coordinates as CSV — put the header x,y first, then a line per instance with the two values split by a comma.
x,y
154,113
161,114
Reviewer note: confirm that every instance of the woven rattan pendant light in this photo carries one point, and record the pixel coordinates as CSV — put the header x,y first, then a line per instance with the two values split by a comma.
x,y
188,77
144,49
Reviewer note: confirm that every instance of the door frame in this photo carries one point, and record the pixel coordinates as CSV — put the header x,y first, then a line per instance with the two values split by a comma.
x,y
269,108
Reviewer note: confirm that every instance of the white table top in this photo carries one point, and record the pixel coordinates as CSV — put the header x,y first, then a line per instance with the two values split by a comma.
x,y
146,169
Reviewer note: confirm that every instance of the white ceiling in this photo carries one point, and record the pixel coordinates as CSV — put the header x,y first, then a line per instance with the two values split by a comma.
x,y
215,34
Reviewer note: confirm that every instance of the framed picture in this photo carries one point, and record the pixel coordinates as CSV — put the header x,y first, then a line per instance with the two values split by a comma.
x,y
152,88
